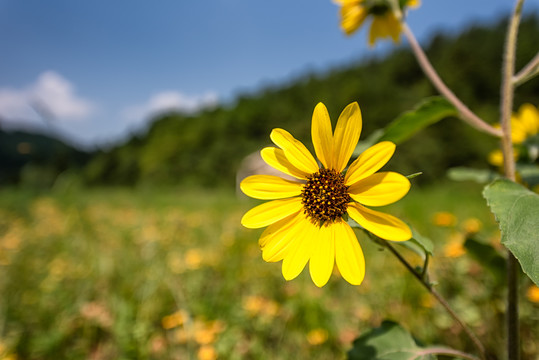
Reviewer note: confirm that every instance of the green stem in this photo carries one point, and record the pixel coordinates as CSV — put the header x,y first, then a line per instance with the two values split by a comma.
x,y
506,107
465,113
438,297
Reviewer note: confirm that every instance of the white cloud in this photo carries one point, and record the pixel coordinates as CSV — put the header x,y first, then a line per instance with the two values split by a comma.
x,y
51,96
168,101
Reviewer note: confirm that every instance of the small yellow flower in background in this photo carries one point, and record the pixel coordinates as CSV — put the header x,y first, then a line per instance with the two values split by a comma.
x,y
455,246
174,320
317,336
306,218
472,225
258,305
533,294
384,23
444,219
206,352
524,124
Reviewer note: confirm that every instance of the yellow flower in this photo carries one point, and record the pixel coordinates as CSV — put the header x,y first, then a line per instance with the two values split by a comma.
x,y
317,336
524,125
384,20
306,218
533,294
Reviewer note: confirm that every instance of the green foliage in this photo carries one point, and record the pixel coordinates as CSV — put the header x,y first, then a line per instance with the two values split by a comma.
x,y
36,159
517,211
390,341
481,176
207,148
428,112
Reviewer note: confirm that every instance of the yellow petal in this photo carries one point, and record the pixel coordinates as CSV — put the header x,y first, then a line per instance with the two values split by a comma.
x,y
382,225
275,158
352,17
300,251
322,135
380,189
268,187
383,26
529,117
271,212
393,27
277,238
346,135
369,162
323,255
294,151
413,3
348,253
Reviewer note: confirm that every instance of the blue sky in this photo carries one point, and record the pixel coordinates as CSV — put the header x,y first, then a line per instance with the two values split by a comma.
x,y
99,69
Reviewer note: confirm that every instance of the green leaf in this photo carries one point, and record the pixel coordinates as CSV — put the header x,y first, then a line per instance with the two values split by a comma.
x,y
517,212
419,244
428,112
390,341
529,174
481,176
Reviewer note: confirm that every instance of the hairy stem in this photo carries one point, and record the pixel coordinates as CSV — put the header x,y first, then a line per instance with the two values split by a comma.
x,y
465,113
446,351
440,299
506,107
528,71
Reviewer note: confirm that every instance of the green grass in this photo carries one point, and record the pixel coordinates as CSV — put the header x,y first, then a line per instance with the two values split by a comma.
x,y
119,273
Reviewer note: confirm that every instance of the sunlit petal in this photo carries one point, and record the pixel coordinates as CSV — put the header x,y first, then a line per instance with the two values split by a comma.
x,y
275,158
269,187
348,254
346,135
271,212
294,151
380,189
300,251
275,242
322,135
382,225
352,17
323,255
369,162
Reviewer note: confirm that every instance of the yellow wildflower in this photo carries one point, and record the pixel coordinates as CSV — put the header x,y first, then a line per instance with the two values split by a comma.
x,y
317,336
306,218
533,294
385,21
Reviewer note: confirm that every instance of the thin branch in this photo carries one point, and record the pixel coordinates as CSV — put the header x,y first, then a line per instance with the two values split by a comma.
x,y
446,351
527,72
440,299
506,108
466,114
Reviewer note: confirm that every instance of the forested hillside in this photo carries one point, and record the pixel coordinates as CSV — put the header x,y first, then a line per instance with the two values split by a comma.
x,y
206,148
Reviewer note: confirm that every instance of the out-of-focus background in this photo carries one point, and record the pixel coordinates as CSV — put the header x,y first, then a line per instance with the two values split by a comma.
x,y
124,126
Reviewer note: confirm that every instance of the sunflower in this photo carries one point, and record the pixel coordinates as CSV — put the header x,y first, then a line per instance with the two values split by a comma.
x,y
384,21
307,218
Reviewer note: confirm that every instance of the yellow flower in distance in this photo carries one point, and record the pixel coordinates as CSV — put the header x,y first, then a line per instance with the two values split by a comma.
x,y
384,23
306,219
524,125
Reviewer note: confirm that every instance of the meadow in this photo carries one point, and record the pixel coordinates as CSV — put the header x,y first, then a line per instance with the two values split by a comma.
x,y
169,273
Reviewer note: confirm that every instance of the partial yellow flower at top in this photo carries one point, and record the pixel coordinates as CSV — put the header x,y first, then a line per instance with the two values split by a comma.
x,y
307,217
384,23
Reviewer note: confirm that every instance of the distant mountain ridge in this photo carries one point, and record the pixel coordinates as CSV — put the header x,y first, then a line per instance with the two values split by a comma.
x,y
34,151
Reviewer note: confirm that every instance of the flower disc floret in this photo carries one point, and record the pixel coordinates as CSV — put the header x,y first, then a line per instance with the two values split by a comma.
x,y
325,196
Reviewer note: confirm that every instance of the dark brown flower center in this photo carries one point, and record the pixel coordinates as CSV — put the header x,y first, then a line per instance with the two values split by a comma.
x,y
325,196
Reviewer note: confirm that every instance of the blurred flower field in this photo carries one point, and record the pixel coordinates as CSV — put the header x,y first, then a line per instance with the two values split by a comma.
x,y
171,274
